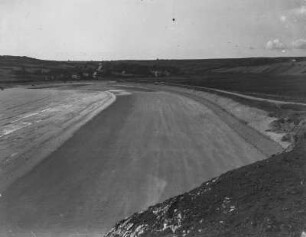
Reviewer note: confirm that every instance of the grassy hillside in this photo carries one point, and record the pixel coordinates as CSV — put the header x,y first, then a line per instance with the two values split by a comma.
x,y
290,66
189,68
255,84
22,69
273,76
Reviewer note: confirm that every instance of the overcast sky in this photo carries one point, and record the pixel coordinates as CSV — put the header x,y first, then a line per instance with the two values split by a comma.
x,y
150,29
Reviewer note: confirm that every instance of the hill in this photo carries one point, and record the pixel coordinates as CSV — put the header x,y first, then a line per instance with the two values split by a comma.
x,y
284,77
186,68
25,69
284,65
273,76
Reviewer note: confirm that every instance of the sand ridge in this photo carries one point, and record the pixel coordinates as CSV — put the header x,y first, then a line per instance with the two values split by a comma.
x,y
33,123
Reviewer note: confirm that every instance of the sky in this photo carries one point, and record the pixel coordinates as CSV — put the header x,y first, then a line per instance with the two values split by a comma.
x,y
150,29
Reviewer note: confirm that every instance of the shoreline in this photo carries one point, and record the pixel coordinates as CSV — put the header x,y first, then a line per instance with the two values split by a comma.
x,y
26,161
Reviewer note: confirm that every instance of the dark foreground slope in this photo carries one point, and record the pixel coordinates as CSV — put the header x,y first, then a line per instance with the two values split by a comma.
x,y
266,198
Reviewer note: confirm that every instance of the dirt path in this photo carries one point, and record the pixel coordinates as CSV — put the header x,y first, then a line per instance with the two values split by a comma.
x,y
146,147
280,102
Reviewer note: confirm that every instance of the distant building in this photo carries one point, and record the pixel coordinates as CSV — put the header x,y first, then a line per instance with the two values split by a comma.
x,y
99,72
75,76
160,73
157,73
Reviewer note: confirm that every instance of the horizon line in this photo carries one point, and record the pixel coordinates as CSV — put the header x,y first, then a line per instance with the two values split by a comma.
x,y
151,59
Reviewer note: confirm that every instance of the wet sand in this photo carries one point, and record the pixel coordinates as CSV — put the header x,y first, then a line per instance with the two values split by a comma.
x,y
33,123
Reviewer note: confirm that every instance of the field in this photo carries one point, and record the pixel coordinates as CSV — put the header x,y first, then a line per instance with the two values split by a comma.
x,y
277,77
